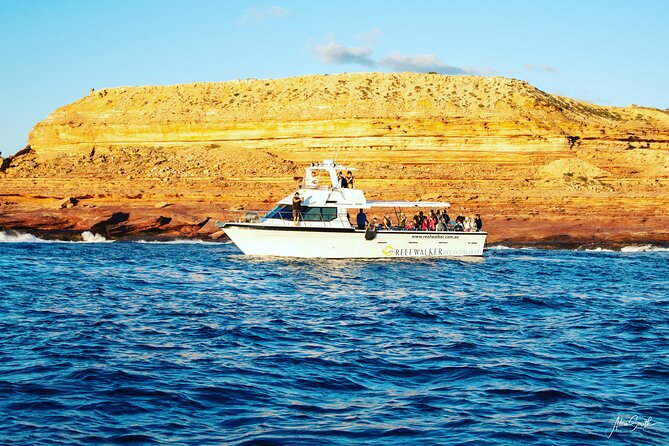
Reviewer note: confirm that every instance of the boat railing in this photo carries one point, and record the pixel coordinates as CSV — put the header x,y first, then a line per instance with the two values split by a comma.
x,y
255,216
242,215
340,221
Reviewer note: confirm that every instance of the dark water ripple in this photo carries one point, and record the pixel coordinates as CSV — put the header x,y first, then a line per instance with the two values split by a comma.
x,y
129,343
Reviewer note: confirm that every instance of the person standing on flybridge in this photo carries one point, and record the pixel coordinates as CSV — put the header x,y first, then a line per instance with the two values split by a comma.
x,y
349,180
297,204
341,181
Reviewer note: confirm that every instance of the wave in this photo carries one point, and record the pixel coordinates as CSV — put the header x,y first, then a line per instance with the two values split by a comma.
x,y
629,248
644,248
21,237
89,237
508,248
598,250
498,248
18,237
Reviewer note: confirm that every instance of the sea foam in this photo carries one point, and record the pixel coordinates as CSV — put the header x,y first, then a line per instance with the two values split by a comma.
x,y
498,248
643,248
89,237
18,237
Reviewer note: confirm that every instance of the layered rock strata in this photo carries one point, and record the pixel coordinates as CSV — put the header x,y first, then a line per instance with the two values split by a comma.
x,y
539,167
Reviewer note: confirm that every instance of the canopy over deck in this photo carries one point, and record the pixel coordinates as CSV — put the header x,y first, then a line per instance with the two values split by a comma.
x,y
408,204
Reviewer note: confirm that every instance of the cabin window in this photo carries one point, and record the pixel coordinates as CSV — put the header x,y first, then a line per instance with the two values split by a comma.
x,y
329,214
318,214
282,212
285,212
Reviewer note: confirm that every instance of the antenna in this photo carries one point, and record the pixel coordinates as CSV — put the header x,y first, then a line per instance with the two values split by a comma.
x,y
334,158
346,157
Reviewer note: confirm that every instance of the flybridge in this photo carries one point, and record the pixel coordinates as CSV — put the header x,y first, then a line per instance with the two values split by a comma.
x,y
329,166
345,196
408,204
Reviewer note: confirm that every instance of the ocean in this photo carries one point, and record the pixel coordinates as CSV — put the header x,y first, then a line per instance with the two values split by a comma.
x,y
195,344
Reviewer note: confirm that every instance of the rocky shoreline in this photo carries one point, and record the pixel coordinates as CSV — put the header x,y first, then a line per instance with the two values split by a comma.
x,y
519,228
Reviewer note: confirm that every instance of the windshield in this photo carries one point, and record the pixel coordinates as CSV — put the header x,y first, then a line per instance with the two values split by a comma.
x,y
285,212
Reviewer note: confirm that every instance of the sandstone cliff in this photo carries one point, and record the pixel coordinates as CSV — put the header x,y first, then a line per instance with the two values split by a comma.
x,y
488,144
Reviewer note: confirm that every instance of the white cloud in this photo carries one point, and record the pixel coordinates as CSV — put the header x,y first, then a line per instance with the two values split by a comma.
x,y
422,63
255,16
545,68
332,53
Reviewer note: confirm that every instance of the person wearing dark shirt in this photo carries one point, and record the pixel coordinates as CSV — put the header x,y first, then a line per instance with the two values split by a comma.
x,y
349,180
297,205
478,222
416,222
341,181
460,222
446,218
422,221
361,219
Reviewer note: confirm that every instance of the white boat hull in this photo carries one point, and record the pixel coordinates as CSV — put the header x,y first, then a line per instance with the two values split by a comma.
x,y
262,240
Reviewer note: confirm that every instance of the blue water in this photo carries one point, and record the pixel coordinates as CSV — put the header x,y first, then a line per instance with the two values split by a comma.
x,y
107,343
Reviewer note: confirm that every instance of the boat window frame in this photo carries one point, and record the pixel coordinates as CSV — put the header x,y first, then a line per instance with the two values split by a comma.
x,y
278,211
285,212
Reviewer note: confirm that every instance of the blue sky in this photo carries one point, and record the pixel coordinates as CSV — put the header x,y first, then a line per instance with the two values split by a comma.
x,y
54,51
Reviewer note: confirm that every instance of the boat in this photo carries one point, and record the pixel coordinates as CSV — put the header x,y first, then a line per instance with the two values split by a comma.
x,y
324,229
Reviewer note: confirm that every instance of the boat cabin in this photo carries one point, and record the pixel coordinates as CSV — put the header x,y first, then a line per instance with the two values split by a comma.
x,y
324,203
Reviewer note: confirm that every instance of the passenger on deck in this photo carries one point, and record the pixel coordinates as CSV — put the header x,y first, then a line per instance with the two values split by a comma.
x,y
370,232
361,220
424,225
431,221
349,180
402,220
478,222
297,205
472,223
446,218
459,222
440,223
417,222
387,224
468,224
341,181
